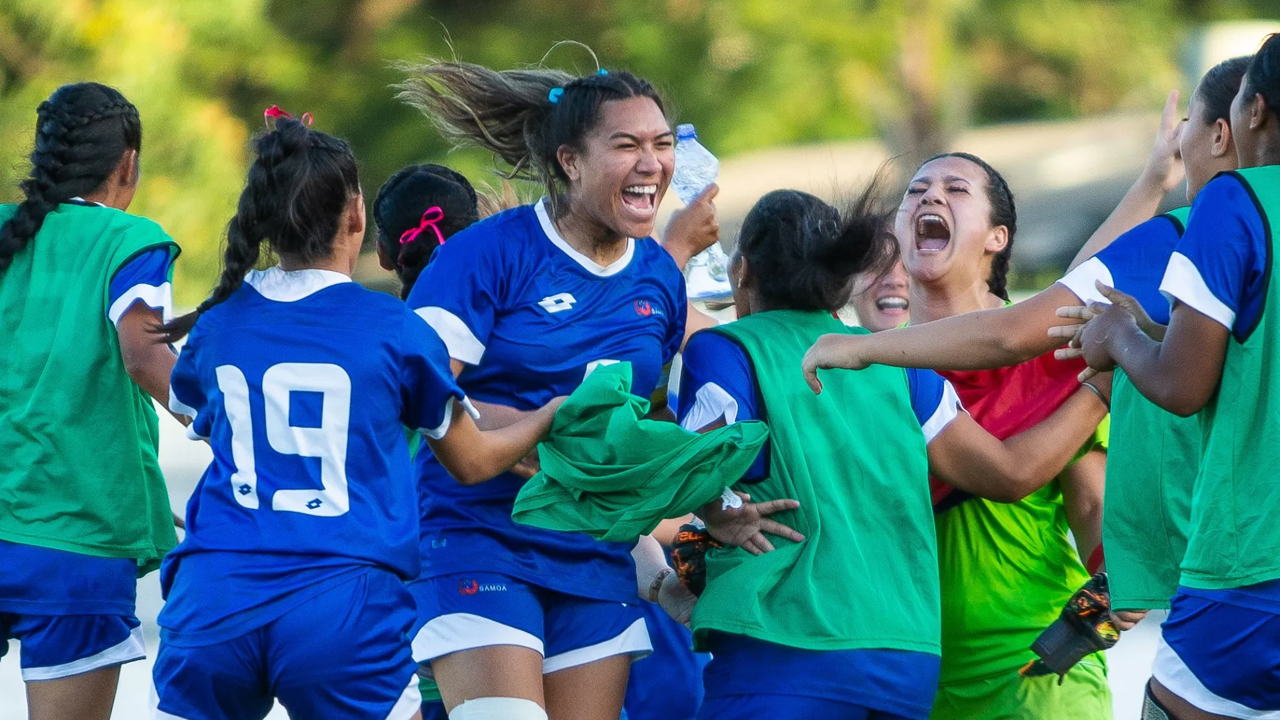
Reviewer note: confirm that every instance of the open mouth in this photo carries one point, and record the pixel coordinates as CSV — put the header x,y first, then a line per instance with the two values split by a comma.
x,y
643,199
932,233
891,304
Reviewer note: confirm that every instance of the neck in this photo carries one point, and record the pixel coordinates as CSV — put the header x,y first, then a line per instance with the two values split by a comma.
x,y
334,263
937,300
1268,150
600,243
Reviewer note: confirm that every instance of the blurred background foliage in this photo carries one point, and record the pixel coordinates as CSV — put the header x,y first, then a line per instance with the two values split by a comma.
x,y
751,73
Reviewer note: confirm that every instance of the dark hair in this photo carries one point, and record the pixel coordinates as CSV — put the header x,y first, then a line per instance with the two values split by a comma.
x,y
298,186
402,202
1219,86
1003,212
1263,76
82,131
512,114
805,254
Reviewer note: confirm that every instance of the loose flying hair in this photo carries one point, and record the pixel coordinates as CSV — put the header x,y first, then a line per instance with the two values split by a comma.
x,y
1003,212
804,254
515,114
1219,86
82,131
1263,76
400,206
297,190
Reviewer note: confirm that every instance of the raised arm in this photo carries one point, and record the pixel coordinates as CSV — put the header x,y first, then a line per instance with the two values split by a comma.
x,y
967,457
1162,173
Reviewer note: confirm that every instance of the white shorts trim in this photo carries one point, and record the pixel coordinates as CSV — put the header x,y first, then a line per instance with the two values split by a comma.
x,y
1174,674
132,648
455,632
409,703
633,641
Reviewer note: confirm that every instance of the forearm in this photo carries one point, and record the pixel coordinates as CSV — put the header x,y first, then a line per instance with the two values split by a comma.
x,y
494,416
1151,369
970,341
1039,453
1137,206
1082,490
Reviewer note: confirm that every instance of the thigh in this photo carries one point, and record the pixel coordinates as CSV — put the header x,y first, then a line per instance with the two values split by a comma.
x,y
593,691
224,681
87,696
781,707
345,654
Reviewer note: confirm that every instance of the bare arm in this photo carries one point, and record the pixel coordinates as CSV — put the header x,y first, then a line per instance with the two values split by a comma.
x,y
1179,374
1162,173
472,455
148,360
966,456
970,341
1082,484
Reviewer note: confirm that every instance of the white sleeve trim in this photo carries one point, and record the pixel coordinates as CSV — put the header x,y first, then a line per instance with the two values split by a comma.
x,y
156,297
442,429
710,403
948,409
179,407
1081,281
1183,282
463,345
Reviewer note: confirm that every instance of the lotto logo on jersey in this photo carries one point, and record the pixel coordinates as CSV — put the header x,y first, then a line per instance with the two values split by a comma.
x,y
558,302
471,587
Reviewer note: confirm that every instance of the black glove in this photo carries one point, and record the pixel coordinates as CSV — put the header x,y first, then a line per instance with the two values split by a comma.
x,y
1083,628
689,556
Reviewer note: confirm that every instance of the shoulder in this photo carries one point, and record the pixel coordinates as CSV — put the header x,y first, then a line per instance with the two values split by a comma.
x,y
509,226
1228,192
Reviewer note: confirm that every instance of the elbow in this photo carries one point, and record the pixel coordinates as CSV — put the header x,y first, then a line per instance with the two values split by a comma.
x,y
472,473
1183,401
1018,484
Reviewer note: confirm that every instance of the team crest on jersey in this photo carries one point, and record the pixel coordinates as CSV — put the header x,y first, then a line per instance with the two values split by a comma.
x,y
558,302
644,308
471,587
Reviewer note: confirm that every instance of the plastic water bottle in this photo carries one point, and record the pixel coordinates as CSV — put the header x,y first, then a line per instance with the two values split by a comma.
x,y
707,275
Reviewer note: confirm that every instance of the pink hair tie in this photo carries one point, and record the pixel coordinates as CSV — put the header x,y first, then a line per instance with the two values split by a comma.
x,y
430,218
275,113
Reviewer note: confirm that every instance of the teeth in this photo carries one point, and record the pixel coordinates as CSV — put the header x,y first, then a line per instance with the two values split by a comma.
x,y
641,189
895,303
931,216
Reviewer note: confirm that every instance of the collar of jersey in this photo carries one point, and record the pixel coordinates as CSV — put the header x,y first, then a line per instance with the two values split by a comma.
x,y
292,285
587,263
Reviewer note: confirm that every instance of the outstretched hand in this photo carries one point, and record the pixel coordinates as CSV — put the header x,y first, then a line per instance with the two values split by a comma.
x,y
833,350
745,526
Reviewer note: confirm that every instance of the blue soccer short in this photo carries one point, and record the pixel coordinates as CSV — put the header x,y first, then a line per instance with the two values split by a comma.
x,y
1220,656
59,646
474,610
342,656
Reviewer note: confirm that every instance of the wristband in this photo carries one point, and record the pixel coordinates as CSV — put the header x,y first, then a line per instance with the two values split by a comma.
x,y
655,587
1089,384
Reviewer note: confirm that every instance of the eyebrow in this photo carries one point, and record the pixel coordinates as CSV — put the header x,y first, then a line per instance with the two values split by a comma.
x,y
945,179
628,136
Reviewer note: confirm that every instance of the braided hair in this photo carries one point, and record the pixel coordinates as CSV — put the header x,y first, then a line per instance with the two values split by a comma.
x,y
82,131
400,206
297,190
1003,212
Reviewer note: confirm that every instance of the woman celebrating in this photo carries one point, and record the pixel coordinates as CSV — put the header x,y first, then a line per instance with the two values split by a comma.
x,y
302,532
1007,570
843,624
529,302
81,282
1221,647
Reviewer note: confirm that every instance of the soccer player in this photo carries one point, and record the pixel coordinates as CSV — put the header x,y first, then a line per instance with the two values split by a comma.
x,y
81,281
524,621
1220,655
1153,454
845,624
289,584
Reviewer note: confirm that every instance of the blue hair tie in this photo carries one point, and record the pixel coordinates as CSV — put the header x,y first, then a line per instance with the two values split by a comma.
x,y
602,71
554,95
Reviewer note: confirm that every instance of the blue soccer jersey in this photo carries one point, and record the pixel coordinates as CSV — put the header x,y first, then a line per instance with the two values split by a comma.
x,y
301,381
531,317
1134,264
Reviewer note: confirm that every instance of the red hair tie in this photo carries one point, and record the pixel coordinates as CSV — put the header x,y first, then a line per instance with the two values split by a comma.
x,y
275,113
432,216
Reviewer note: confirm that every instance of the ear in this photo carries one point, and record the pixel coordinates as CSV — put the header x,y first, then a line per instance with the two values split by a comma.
x,y
384,257
569,160
1220,142
741,272
998,239
355,215
129,169
1257,112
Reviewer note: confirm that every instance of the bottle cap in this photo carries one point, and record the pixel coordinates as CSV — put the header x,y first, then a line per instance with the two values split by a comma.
x,y
686,132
